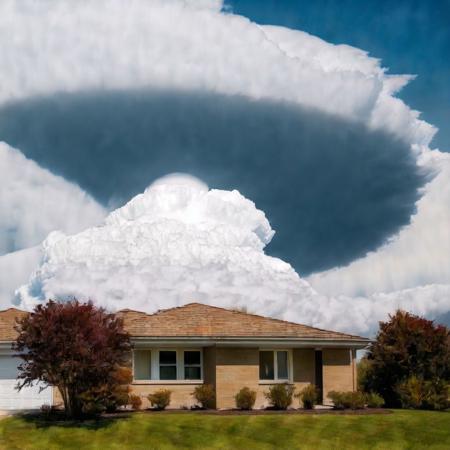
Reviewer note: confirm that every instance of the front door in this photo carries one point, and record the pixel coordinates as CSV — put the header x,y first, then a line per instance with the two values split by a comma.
x,y
319,375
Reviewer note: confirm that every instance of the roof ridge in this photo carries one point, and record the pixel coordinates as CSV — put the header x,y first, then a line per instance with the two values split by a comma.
x,y
12,309
236,311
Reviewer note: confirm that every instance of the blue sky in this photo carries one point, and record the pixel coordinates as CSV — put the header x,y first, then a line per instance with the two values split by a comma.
x,y
96,107
410,36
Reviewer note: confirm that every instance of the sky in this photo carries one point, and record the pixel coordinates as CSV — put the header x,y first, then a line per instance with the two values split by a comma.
x,y
306,187
410,36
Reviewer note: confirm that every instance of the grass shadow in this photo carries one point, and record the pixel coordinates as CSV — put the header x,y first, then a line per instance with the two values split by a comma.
x,y
59,420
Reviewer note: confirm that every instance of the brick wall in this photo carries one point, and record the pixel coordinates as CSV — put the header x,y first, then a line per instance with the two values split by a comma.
x,y
235,368
181,394
338,371
239,367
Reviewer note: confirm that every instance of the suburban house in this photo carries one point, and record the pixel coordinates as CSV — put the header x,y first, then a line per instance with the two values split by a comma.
x,y
182,347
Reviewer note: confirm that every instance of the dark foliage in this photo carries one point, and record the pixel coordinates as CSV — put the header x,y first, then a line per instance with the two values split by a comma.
x,y
406,346
416,393
74,346
374,400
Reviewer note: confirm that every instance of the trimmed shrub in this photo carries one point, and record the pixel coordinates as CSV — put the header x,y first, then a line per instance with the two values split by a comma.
x,y
135,401
110,396
416,393
160,399
373,400
308,396
245,398
205,395
347,400
280,396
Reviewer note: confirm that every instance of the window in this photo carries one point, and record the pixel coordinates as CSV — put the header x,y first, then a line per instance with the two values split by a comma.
x,y
167,365
274,365
171,364
142,365
192,365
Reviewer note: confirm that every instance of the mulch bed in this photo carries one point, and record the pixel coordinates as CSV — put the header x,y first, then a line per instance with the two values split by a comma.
x,y
258,412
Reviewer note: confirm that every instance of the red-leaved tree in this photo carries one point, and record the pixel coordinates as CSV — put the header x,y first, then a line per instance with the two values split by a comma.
x,y
406,346
74,346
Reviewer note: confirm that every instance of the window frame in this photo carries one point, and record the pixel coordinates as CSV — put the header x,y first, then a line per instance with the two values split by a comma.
x,y
290,366
175,364
155,365
200,364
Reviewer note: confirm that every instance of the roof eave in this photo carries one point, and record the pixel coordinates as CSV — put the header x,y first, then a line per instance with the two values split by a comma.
x,y
250,341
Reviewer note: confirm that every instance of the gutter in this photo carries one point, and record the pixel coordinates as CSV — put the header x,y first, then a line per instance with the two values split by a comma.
x,y
142,341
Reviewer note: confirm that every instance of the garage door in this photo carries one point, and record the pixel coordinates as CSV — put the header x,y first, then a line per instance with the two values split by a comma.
x,y
28,397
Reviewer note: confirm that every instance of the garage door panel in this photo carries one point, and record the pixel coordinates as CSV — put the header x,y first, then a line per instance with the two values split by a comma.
x,y
28,397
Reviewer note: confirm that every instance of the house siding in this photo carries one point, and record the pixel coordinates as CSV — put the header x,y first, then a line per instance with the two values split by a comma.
x,y
239,367
339,371
235,368
230,369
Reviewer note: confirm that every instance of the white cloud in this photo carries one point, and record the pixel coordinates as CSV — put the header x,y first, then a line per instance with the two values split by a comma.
x,y
49,46
418,255
207,245
179,242
15,270
34,202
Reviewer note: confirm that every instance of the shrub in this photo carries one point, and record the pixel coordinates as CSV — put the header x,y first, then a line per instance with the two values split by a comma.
x,y
411,393
308,396
108,396
406,345
160,399
245,398
205,395
347,400
416,393
374,400
135,401
280,395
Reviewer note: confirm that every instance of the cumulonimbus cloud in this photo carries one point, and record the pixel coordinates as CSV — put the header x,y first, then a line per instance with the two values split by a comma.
x,y
68,47
34,202
179,242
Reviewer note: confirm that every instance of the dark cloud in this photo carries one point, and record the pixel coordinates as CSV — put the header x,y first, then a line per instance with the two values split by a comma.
x,y
332,189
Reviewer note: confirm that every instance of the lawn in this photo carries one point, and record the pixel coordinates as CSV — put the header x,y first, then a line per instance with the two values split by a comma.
x,y
400,430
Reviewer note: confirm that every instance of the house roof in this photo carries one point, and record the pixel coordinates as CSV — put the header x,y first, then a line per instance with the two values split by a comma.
x,y
196,320
199,320
7,323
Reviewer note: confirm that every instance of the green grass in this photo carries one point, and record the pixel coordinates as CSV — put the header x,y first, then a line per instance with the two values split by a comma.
x,y
400,430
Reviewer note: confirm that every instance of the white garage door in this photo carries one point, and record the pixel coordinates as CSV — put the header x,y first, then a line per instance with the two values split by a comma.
x,y
28,397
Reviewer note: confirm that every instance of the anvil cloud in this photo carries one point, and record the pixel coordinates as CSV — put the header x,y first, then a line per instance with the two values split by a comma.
x,y
338,127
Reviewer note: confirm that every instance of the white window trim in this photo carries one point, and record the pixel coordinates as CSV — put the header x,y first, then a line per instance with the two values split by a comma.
x,y
276,380
154,369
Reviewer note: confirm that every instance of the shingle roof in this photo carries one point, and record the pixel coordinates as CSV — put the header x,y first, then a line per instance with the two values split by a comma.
x,y
7,322
198,320
202,321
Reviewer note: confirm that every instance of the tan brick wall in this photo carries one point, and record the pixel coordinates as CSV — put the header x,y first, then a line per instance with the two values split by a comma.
x,y
239,367
209,365
181,394
230,369
338,371
57,399
235,368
